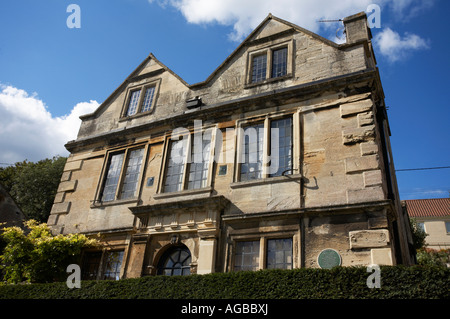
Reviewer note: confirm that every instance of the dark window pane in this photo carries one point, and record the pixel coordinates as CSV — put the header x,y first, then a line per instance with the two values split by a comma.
x,y
279,253
246,256
175,262
90,266
113,265
279,62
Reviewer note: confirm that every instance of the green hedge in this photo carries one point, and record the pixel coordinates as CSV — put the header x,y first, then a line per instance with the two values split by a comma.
x,y
397,282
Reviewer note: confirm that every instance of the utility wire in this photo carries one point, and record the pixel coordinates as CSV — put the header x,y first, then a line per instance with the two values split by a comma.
x,y
397,170
420,169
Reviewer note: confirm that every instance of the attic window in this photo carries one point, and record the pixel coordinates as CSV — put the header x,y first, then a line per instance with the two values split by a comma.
x,y
279,62
140,99
259,68
133,102
148,99
270,63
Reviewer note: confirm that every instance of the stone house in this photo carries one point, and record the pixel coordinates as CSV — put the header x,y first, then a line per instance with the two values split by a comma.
x,y
433,215
279,159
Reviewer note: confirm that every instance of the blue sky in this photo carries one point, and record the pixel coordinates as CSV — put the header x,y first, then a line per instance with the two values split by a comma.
x,y
50,73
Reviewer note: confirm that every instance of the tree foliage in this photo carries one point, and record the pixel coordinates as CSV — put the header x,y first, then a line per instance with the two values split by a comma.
x,y
35,255
33,186
418,234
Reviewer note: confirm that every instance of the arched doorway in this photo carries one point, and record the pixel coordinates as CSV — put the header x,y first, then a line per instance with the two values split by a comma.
x,y
175,262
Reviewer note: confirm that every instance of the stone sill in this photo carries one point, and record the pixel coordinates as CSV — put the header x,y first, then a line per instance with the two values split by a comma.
x,y
137,115
114,202
190,192
268,81
268,180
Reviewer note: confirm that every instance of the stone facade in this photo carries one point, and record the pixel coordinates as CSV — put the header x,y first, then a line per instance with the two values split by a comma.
x,y
338,192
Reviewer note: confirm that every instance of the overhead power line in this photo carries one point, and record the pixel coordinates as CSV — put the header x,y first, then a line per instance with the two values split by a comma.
x,y
421,169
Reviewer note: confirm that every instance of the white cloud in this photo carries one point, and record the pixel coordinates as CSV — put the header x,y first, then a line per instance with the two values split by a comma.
x,y
29,131
244,16
395,47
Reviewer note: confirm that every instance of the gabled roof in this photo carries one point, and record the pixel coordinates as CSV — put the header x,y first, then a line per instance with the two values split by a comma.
x,y
129,78
433,207
254,32
247,40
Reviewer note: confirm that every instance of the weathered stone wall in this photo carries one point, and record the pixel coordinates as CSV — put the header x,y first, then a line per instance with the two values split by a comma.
x,y
312,59
360,238
336,196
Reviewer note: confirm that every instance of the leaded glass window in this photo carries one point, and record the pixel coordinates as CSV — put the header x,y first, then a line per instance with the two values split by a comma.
x,y
277,152
113,176
252,160
90,266
198,168
189,162
259,67
279,253
122,179
148,99
113,265
281,146
176,261
279,62
134,102
247,255
132,172
175,167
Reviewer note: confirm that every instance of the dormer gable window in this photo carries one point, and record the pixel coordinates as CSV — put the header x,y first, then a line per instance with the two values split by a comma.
x,y
140,99
279,62
271,63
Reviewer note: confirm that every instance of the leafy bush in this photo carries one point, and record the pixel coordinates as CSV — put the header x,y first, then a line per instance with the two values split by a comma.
x,y
397,282
432,257
38,256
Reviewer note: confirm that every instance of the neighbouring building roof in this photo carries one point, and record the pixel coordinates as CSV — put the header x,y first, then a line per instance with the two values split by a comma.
x,y
433,207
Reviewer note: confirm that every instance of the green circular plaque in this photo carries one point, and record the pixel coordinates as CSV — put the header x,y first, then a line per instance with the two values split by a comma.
x,y
329,258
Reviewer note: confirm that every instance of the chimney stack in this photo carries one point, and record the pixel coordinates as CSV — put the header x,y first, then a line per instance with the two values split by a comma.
x,y
356,28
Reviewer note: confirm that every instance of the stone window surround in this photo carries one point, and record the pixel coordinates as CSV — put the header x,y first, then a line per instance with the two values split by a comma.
x,y
142,87
97,202
268,49
167,141
267,118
